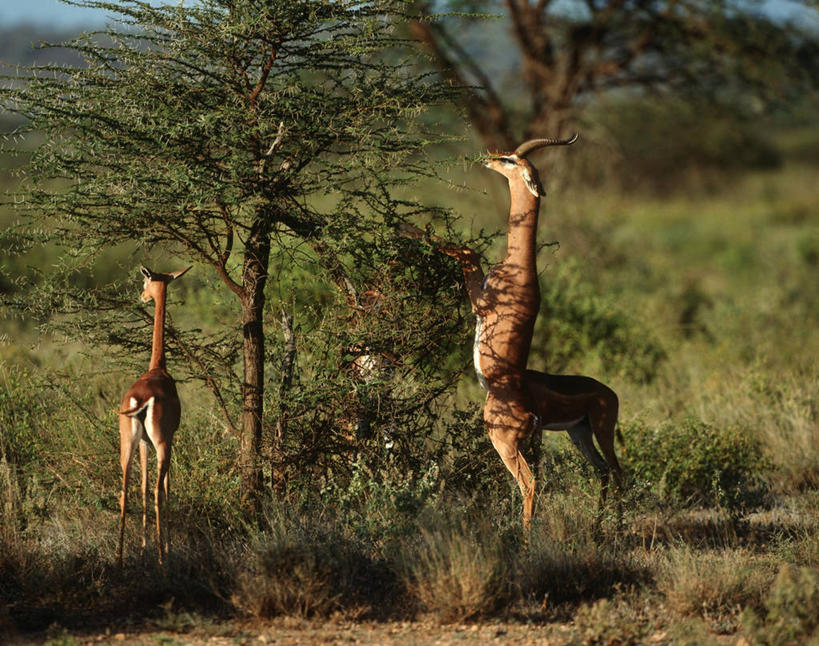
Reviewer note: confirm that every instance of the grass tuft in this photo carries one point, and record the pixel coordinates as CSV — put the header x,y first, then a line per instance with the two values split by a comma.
x,y
303,571
457,572
609,622
568,558
713,584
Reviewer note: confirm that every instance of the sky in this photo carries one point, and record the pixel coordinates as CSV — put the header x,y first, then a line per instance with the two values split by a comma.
x,y
53,13
50,13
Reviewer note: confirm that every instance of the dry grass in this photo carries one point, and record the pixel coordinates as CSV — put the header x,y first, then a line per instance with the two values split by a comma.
x,y
786,419
714,584
612,622
457,572
299,569
726,283
569,557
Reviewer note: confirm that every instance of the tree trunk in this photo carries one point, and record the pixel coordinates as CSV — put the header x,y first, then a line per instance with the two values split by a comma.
x,y
254,274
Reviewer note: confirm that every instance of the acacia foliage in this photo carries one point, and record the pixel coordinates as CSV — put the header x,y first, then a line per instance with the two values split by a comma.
x,y
263,140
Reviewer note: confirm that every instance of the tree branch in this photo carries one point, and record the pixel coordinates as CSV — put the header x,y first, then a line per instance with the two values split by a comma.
x,y
263,78
209,381
486,111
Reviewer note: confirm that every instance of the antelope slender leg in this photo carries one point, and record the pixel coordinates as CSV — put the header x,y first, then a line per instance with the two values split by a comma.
x,y
168,508
157,494
163,464
518,467
127,446
508,422
123,502
602,422
581,436
143,459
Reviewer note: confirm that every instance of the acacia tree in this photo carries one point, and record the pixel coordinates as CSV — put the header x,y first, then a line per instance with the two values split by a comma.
x,y
560,55
234,133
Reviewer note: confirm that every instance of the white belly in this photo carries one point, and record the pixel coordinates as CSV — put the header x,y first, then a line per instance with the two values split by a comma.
x,y
476,354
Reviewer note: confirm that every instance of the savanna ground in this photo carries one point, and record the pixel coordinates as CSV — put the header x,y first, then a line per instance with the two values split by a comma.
x,y
699,305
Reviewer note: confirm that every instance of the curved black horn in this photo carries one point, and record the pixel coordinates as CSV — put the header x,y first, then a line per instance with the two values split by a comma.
x,y
533,144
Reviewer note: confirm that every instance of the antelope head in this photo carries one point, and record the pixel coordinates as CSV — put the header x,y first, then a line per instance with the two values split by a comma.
x,y
154,282
515,167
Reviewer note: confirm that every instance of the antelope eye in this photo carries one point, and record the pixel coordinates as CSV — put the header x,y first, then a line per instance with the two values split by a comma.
x,y
507,161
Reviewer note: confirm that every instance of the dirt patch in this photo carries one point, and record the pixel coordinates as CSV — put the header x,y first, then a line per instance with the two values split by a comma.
x,y
287,631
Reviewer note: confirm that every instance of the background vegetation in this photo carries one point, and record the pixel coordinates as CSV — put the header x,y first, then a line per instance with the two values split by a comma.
x,y
686,276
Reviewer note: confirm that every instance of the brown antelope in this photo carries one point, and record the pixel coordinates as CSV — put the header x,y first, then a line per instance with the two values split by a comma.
x,y
521,403
150,411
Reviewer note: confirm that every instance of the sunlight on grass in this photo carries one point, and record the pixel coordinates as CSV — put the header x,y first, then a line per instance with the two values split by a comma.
x,y
699,308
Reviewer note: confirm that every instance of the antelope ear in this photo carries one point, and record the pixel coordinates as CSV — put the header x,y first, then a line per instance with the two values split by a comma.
x,y
532,183
176,274
146,272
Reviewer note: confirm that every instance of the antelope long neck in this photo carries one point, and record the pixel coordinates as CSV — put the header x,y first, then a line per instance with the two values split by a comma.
x,y
158,343
522,237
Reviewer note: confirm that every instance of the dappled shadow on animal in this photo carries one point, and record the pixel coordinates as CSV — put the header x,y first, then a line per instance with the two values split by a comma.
x,y
150,412
521,403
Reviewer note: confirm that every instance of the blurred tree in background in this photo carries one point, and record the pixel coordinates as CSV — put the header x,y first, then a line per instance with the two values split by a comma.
x,y
265,141
535,72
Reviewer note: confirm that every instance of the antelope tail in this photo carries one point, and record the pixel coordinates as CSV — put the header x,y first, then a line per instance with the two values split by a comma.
x,y
136,410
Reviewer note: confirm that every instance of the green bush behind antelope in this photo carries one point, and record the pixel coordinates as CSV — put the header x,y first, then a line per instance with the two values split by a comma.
x,y
790,615
721,141
690,463
579,325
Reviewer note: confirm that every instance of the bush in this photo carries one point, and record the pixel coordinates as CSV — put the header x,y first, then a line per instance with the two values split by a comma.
x,y
693,463
580,325
791,610
380,504
718,142
24,410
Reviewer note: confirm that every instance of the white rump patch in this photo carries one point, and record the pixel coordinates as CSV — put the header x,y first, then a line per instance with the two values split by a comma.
x,y
136,424
150,426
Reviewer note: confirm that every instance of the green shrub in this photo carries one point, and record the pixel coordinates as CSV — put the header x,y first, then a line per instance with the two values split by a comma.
x,y
563,469
608,622
692,463
24,409
791,615
579,325
379,504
